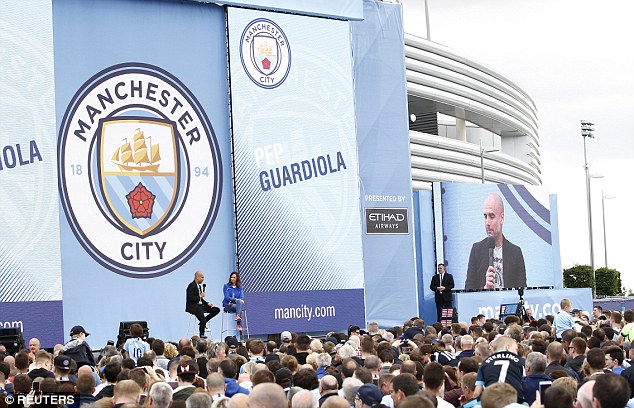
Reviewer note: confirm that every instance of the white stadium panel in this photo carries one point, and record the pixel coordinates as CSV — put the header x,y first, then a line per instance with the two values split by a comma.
x,y
442,80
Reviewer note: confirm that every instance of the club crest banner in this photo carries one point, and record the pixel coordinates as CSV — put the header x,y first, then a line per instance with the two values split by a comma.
x,y
143,160
296,169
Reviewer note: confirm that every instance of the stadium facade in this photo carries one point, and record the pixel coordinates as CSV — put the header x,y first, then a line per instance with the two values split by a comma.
x,y
459,108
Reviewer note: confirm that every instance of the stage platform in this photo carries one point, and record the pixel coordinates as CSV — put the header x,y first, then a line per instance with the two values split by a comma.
x,y
540,302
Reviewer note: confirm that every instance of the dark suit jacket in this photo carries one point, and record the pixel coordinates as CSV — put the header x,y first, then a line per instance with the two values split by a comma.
x,y
193,297
513,265
447,282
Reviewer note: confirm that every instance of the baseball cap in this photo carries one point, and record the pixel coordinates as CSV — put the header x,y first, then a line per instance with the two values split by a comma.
x,y
62,362
232,342
369,394
187,367
286,336
77,330
284,377
333,340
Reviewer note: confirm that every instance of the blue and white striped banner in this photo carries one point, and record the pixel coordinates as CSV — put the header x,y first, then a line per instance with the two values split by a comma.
x,y
297,192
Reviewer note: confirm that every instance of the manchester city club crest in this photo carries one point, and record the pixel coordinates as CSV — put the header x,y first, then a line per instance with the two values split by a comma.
x,y
138,169
140,173
265,53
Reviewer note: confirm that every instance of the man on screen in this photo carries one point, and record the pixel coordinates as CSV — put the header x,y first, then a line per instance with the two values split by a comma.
x,y
494,262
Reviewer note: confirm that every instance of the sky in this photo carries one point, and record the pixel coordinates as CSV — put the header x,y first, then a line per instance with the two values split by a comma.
x,y
576,61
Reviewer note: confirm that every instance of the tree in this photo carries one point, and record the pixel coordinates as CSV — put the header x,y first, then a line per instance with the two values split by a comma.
x,y
579,276
608,282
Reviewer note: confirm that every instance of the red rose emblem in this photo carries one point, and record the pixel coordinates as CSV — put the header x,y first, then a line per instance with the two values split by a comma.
x,y
141,201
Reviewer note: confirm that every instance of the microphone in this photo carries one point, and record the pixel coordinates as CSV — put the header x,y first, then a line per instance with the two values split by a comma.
x,y
204,287
491,245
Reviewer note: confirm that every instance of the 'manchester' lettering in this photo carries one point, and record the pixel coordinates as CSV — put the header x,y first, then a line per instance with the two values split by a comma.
x,y
270,28
132,89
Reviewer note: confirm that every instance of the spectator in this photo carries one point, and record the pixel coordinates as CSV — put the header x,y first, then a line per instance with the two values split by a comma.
x,y
135,347
328,387
569,384
158,346
198,400
349,389
595,361
125,392
160,395
489,373
215,386
614,359
557,397
563,320
535,367
78,349
368,395
498,395
43,365
403,385
304,399
267,395
610,391
229,370
627,333
434,378
468,399
577,350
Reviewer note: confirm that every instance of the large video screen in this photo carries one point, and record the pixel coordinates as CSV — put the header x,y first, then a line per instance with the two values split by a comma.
x,y
497,235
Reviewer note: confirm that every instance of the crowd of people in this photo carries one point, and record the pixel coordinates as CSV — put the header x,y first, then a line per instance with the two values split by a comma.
x,y
566,360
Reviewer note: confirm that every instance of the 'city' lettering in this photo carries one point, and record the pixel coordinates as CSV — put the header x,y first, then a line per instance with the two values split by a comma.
x,y
142,250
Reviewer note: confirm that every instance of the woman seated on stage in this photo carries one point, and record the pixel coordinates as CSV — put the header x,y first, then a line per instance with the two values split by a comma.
x,y
234,298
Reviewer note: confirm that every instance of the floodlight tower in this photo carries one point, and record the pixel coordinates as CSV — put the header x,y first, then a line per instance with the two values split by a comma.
x,y
586,132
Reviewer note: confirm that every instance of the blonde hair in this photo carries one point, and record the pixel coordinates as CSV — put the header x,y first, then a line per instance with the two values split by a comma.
x,y
170,351
312,360
569,383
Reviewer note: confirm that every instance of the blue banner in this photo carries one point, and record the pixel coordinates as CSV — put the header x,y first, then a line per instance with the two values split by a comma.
x,y
30,267
143,161
340,9
296,170
384,164
299,311
539,302
424,222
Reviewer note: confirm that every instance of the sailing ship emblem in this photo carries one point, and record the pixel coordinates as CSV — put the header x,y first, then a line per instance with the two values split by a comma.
x,y
265,52
140,154
139,172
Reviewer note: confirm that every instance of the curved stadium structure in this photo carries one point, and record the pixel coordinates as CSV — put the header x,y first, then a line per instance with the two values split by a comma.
x,y
460,110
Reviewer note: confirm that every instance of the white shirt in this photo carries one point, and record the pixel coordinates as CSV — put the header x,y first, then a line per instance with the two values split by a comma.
x,y
443,404
388,401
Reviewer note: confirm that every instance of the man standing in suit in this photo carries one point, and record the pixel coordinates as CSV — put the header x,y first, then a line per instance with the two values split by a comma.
x,y
197,305
495,262
441,284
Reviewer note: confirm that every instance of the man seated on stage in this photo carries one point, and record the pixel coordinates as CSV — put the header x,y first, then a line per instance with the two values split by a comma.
x,y
197,305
